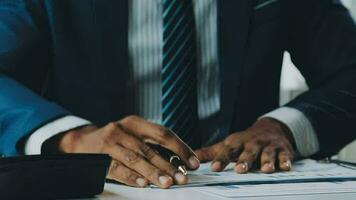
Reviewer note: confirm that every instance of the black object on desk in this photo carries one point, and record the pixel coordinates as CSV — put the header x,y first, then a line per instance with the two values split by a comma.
x,y
53,176
174,159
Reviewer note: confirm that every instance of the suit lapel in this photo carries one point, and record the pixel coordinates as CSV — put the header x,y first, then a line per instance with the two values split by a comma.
x,y
233,25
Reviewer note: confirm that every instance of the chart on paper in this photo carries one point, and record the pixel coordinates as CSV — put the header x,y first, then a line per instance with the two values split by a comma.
x,y
278,189
303,171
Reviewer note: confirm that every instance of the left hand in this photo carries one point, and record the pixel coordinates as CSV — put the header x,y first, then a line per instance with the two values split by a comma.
x,y
266,143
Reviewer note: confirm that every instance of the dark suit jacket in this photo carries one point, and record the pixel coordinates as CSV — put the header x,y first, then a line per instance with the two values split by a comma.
x,y
75,53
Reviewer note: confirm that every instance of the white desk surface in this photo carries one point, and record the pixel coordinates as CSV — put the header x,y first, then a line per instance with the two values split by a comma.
x,y
120,192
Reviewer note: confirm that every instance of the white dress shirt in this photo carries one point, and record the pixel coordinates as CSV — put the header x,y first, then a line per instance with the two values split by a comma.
x,y
146,51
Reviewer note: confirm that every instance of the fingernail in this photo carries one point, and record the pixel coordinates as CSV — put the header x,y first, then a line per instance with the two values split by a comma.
x,y
194,162
288,164
179,177
242,167
216,166
141,182
268,167
164,180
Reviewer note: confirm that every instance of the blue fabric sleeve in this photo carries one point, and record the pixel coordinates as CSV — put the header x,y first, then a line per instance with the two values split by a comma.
x,y
22,40
21,112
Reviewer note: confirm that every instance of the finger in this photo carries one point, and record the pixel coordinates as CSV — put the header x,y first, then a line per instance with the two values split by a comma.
x,y
137,163
247,158
163,136
285,160
208,153
122,174
268,159
134,144
226,155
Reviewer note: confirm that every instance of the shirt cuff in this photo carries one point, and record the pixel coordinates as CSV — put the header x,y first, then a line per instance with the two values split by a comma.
x,y
304,135
34,143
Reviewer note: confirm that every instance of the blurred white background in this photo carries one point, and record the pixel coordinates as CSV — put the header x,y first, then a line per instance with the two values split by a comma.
x,y
293,83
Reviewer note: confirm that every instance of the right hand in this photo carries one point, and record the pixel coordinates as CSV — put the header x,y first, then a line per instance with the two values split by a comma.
x,y
134,162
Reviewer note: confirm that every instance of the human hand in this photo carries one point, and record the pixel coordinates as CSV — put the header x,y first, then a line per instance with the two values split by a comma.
x,y
264,144
134,162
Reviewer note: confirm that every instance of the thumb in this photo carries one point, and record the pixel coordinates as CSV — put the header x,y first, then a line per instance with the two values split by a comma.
x,y
208,153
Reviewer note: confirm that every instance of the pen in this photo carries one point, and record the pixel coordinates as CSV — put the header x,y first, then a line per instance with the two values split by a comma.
x,y
174,159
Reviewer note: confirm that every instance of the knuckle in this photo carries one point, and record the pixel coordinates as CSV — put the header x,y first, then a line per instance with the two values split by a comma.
x,y
271,148
269,151
118,172
129,119
129,176
164,132
251,146
110,136
172,169
284,157
248,153
154,174
284,153
132,158
230,141
279,144
110,129
147,152
128,143
274,144
262,141
106,145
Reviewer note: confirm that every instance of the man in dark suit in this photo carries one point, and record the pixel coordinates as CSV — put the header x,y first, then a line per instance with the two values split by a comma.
x,y
76,76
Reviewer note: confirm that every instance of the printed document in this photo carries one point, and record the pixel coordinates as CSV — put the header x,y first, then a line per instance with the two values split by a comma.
x,y
303,171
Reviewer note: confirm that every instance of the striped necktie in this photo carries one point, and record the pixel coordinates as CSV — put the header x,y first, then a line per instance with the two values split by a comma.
x,y
179,76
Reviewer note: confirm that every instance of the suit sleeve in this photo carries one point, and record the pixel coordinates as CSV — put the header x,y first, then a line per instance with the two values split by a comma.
x,y
23,57
322,43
